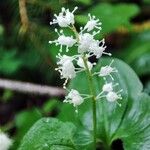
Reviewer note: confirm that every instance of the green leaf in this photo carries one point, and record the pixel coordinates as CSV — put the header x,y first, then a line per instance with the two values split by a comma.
x,y
147,1
49,134
85,2
23,121
113,122
142,64
9,63
138,45
137,52
50,105
111,16
1,30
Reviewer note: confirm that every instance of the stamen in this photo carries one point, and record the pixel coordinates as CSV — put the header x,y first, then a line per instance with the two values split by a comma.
x,y
111,77
119,91
75,9
109,54
118,104
100,94
111,62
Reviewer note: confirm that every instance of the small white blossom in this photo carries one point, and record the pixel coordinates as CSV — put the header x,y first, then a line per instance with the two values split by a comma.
x,y
65,18
85,40
98,50
63,40
92,23
112,96
66,67
5,141
68,70
107,87
81,64
63,59
107,70
74,98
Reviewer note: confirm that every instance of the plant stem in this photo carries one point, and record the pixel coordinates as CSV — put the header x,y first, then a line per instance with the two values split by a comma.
x,y
93,93
91,87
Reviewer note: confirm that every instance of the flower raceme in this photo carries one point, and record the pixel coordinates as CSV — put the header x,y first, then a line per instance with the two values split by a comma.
x,y
86,46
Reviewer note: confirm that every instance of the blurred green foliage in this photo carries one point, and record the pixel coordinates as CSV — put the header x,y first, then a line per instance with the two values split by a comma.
x,y
137,52
9,63
111,16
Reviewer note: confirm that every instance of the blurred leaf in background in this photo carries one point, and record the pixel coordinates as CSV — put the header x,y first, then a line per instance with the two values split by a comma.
x,y
137,52
9,62
111,16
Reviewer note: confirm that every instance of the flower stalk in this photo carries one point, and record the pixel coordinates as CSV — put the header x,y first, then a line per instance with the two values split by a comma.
x,y
93,93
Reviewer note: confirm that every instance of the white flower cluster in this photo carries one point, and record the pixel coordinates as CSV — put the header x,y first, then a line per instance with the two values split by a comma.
x,y
5,141
87,46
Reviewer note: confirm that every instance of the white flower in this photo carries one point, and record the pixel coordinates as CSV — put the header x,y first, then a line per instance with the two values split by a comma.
x,y
85,40
5,141
74,98
68,70
81,64
92,23
63,59
65,18
107,70
98,50
107,87
112,96
63,40
66,67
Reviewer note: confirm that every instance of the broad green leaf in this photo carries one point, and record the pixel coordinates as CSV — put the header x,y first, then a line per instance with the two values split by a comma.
x,y
113,122
49,134
23,122
111,16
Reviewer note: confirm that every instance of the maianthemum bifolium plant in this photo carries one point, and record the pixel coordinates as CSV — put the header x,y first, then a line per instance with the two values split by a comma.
x,y
69,66
107,96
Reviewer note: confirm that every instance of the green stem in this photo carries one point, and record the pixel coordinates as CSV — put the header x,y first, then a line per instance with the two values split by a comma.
x,y
91,87
93,93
